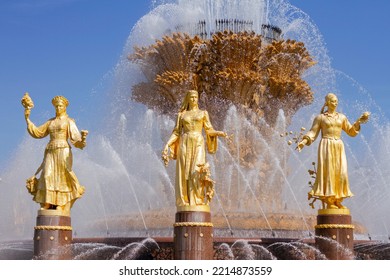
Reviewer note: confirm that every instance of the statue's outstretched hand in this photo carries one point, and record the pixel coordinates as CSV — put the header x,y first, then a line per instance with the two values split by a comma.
x,y
301,145
221,134
364,117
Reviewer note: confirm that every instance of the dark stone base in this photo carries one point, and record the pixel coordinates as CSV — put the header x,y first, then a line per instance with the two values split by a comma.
x,y
334,233
52,234
193,236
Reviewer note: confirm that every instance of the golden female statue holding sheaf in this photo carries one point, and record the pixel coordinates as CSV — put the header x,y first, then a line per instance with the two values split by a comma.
x,y
331,185
193,186
57,187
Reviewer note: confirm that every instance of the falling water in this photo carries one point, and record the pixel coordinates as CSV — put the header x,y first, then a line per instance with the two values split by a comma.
x,y
286,251
224,252
94,251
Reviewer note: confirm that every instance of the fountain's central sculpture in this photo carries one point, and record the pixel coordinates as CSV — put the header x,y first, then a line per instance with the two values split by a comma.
x,y
240,68
259,75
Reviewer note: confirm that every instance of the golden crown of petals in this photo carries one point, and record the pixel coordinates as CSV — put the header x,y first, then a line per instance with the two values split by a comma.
x,y
59,98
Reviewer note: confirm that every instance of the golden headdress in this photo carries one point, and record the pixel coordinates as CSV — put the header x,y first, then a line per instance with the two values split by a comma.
x,y
58,98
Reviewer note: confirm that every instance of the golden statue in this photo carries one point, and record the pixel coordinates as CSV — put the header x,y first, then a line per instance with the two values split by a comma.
x,y
331,185
259,77
194,186
58,186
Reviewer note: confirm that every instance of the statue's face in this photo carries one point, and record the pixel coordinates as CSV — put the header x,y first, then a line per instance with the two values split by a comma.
x,y
193,99
333,102
60,108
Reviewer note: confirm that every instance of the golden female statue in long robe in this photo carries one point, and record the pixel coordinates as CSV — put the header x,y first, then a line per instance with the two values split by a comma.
x,y
193,186
58,186
331,185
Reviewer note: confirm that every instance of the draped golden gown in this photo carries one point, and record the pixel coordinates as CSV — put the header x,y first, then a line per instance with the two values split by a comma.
x,y
332,174
187,146
57,185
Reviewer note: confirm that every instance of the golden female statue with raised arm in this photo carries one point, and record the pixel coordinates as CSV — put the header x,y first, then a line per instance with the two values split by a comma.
x,y
58,186
331,185
194,186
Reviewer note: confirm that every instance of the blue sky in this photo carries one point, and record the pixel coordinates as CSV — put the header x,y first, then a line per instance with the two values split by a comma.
x,y
357,39
67,46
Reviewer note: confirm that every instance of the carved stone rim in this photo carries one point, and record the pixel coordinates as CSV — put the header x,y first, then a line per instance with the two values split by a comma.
x,y
66,228
341,226
193,224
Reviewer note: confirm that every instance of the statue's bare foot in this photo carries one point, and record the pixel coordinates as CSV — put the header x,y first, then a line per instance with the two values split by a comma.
x,y
332,206
339,205
45,206
64,208
331,203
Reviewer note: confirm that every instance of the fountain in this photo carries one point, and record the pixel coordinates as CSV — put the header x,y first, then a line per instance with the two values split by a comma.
x,y
129,193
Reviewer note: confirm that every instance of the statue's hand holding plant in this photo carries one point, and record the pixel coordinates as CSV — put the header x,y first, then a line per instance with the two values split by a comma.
x,y
28,104
84,134
165,155
301,145
297,138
